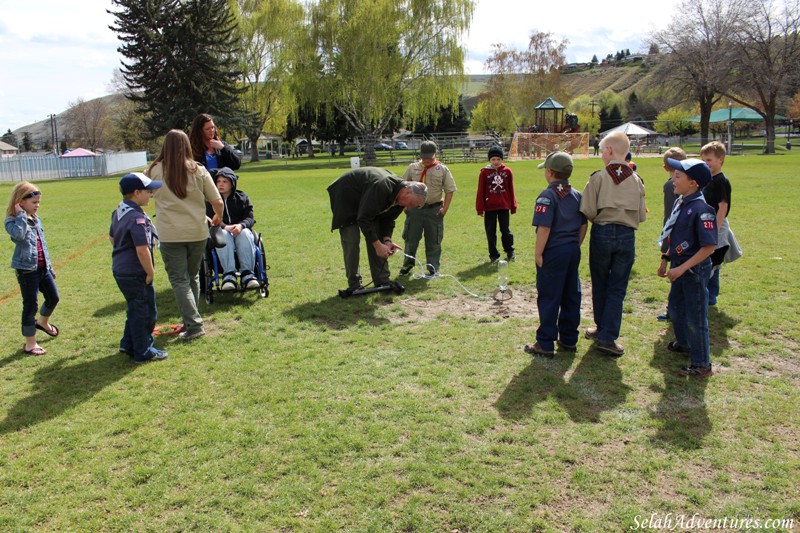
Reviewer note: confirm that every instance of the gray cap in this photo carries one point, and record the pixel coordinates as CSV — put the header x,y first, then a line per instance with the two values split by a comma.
x,y
558,162
428,149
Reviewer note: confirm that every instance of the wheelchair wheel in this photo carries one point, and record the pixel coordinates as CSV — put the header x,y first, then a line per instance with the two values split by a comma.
x,y
207,277
261,268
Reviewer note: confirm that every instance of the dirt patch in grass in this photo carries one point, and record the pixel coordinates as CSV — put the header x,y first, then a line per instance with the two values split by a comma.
x,y
520,303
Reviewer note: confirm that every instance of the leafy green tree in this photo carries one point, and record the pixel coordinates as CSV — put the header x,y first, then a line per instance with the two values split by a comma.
x,y
588,120
490,116
673,121
266,29
370,59
180,60
27,144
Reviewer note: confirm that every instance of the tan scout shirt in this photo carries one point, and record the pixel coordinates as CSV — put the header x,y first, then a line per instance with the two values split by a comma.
x,y
184,220
438,179
605,202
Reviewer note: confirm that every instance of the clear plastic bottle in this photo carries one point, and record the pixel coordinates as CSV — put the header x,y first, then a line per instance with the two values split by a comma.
x,y
502,275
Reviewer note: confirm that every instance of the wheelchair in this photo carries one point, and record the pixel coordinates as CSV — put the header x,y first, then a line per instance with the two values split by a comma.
x,y
211,271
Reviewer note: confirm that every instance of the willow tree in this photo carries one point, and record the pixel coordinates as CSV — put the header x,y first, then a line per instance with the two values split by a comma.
x,y
381,56
267,30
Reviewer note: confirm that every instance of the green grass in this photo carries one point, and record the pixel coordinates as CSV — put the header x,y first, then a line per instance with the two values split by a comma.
x,y
417,412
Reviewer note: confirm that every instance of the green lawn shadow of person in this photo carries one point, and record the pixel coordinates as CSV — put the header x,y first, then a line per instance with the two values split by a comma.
x,y
682,409
60,386
338,313
593,387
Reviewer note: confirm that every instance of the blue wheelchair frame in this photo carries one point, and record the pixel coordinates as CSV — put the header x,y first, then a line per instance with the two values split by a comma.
x,y
210,270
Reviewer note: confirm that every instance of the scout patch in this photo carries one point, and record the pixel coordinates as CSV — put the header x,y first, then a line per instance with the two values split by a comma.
x,y
681,247
541,204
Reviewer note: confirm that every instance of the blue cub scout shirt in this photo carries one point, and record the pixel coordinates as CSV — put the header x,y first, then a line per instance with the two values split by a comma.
x,y
558,208
130,227
695,227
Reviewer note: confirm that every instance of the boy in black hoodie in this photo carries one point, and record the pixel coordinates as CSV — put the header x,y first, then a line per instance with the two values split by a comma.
x,y
237,221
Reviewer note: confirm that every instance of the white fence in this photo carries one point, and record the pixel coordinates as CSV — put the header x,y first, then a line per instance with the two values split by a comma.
x,y
50,166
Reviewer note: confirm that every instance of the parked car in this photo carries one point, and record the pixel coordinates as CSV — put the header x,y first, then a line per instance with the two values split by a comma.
x,y
382,146
400,145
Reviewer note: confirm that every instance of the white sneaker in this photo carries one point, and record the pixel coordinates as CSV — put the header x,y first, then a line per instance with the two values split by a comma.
x,y
252,283
228,285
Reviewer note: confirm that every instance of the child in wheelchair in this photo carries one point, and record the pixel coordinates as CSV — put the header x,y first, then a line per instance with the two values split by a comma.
x,y
237,221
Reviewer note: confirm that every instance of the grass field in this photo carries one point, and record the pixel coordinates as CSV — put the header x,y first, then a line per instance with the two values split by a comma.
x,y
412,412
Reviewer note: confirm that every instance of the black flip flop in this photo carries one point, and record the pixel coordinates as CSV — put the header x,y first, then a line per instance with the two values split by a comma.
x,y
48,331
36,350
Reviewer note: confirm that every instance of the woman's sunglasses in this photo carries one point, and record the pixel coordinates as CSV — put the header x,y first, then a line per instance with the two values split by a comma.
x,y
31,194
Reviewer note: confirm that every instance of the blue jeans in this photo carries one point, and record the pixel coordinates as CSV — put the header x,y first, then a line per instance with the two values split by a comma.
x,y
243,245
137,338
558,300
490,221
612,250
427,221
713,286
688,309
31,283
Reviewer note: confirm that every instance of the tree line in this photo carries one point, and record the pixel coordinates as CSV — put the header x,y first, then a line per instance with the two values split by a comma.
x,y
338,69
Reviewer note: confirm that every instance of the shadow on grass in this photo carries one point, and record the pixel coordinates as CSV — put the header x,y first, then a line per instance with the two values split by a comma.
x,y
482,269
338,313
682,408
61,386
595,386
118,304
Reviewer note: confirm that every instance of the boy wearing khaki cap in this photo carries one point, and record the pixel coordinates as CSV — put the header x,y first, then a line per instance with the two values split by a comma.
x,y
560,230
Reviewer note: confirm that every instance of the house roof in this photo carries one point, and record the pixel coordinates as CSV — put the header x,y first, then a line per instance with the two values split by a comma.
x,y
5,147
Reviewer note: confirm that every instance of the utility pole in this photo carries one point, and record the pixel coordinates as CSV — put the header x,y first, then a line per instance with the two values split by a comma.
x,y
54,132
593,103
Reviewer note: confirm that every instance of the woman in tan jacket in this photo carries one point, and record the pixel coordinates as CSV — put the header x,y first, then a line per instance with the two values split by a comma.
x,y
181,223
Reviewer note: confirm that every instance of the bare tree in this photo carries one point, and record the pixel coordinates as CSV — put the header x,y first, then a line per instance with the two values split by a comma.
x,y
699,50
88,122
522,79
767,47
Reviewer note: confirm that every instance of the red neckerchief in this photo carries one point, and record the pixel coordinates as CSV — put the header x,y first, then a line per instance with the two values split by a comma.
x,y
562,189
619,172
422,177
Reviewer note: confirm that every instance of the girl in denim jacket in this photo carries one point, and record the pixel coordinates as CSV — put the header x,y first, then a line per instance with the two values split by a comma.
x,y
31,260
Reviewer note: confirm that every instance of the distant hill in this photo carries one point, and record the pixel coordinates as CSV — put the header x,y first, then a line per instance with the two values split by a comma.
x,y
40,131
581,80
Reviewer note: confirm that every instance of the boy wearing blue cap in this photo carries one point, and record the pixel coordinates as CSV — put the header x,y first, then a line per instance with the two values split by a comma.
x,y
132,236
691,232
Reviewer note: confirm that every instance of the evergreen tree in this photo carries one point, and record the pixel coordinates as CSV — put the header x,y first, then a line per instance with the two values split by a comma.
x,y
180,60
594,59
10,138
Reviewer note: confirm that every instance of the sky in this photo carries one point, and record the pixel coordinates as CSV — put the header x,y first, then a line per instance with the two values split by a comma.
x,y
54,52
